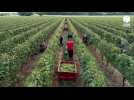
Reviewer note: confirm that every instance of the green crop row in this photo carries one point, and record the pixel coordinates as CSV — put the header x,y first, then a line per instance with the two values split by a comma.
x,y
128,36
109,37
42,75
9,33
106,25
15,23
118,41
122,62
7,45
11,63
90,72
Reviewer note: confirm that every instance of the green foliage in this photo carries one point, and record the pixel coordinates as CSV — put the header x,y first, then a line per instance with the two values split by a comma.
x,y
90,73
113,54
21,52
43,74
25,13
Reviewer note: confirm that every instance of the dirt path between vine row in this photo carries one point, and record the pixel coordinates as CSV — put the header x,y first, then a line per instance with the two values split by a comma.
x,y
115,78
58,83
27,68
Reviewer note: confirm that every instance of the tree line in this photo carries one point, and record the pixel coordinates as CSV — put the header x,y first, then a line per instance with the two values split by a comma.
x,y
75,13
71,13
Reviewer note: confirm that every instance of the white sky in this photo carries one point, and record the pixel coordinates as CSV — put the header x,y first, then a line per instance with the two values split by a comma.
x,y
8,12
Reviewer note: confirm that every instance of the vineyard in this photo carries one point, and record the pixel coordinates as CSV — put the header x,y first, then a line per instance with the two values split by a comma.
x,y
31,54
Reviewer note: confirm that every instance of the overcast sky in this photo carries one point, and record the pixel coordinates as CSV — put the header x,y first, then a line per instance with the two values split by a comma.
x,y
8,12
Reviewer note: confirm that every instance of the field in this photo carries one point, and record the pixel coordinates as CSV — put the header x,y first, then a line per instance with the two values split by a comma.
x,y
106,60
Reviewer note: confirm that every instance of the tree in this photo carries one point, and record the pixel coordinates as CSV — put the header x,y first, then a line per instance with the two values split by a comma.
x,y
25,13
41,13
75,13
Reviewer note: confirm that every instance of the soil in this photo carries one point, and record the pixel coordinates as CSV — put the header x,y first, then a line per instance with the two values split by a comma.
x,y
59,83
27,68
